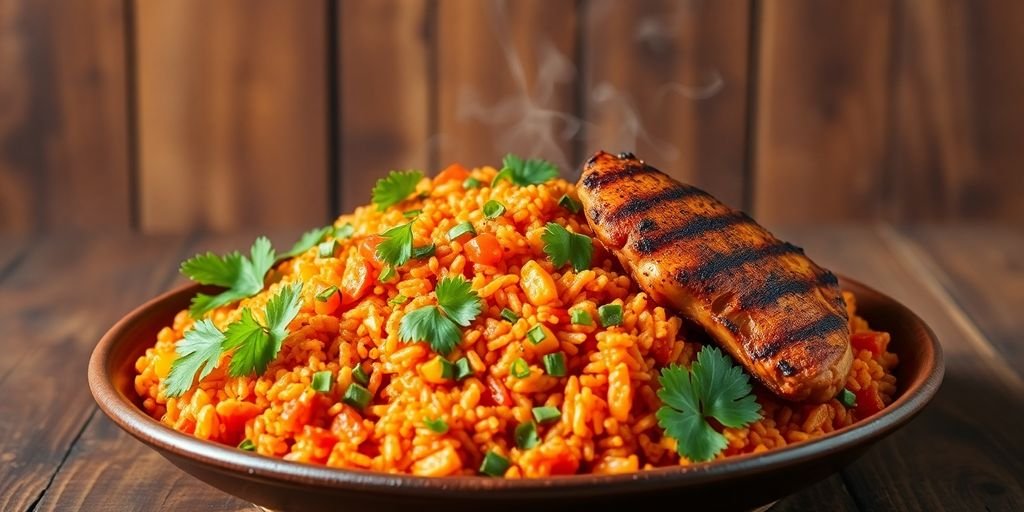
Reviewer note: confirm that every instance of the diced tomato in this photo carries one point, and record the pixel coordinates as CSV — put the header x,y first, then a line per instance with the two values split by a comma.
x,y
869,340
329,306
296,413
484,249
563,464
355,281
368,246
868,402
348,424
454,172
499,394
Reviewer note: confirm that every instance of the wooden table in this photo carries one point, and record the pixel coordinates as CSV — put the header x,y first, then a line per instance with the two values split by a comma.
x,y
58,294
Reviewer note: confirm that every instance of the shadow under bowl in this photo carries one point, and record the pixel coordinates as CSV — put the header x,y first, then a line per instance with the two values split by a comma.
x,y
736,483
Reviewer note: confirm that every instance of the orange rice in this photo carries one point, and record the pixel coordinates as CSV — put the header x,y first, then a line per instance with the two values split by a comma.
x,y
607,400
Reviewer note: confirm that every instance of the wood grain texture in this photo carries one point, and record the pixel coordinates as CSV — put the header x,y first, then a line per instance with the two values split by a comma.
x,y
828,494
107,464
386,87
232,114
981,267
963,451
63,116
53,309
821,100
505,76
668,80
957,112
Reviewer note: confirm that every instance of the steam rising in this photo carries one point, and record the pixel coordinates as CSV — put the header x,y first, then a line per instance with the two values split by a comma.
x,y
524,122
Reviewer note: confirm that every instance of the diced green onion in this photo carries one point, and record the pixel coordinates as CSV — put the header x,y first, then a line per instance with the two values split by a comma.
x,y
344,231
471,183
387,273
526,435
328,248
509,315
359,375
493,209
520,369
425,251
580,317
463,369
494,464
847,398
411,214
398,300
357,396
546,414
447,368
611,315
326,295
321,381
569,203
247,445
438,426
461,229
554,364
536,334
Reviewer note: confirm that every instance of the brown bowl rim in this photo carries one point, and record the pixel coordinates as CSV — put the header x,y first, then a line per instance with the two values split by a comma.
x,y
132,419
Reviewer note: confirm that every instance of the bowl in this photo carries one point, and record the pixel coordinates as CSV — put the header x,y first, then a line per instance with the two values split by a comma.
x,y
741,482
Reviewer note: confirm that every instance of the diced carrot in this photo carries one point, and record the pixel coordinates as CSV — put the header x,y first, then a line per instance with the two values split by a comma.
x,y
368,246
454,172
355,281
547,345
537,284
440,463
348,424
484,249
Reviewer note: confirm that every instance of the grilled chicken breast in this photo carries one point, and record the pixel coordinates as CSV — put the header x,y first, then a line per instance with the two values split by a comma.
x,y
775,311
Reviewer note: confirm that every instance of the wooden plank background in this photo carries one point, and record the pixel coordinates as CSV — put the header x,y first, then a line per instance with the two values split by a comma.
x,y
175,116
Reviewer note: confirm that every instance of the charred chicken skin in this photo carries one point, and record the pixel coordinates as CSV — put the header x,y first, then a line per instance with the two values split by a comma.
x,y
773,309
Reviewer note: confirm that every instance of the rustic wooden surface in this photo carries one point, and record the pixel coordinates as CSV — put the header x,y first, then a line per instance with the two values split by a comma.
x,y
58,295
177,116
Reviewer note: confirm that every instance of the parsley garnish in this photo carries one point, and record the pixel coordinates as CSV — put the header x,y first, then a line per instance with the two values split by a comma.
x,y
564,246
457,304
256,345
394,188
713,387
533,171
307,241
242,276
396,248
198,353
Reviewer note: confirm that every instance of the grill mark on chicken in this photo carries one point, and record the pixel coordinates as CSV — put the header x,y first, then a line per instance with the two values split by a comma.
x,y
643,204
632,168
696,226
776,287
820,328
722,262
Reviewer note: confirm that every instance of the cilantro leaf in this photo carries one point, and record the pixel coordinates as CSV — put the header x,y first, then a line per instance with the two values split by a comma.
x,y
395,188
396,248
695,438
713,387
198,353
533,171
724,389
307,241
255,345
428,324
458,300
242,276
564,246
